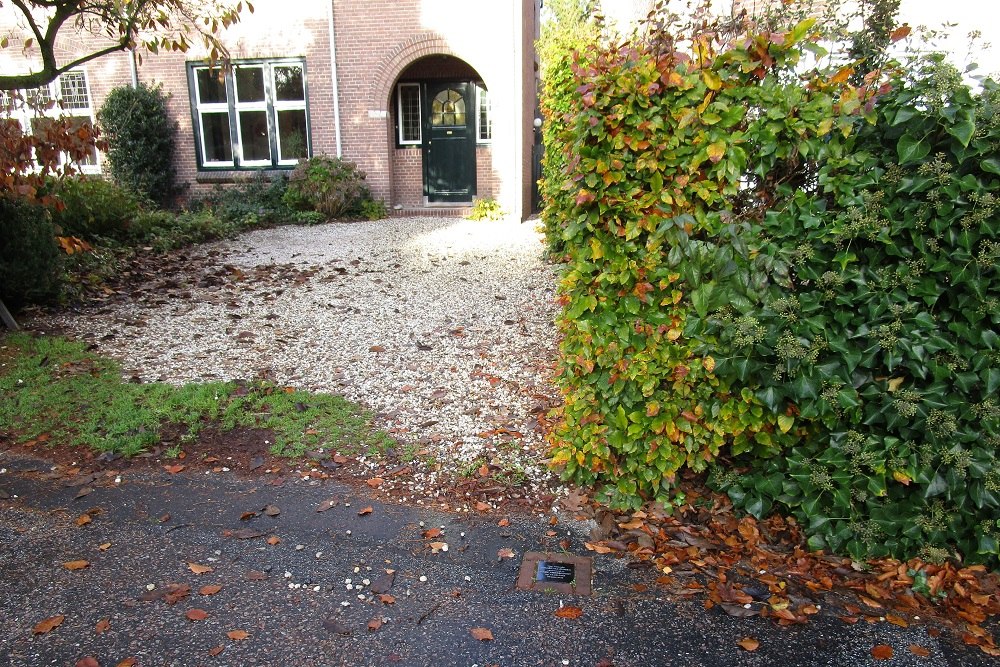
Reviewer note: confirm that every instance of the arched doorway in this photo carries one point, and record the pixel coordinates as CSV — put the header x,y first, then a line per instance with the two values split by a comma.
x,y
442,129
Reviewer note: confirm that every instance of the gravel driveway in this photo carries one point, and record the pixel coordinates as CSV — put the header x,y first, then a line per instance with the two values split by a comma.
x,y
443,327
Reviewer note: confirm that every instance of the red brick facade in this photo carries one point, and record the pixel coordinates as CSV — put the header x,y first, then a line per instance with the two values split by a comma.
x,y
376,44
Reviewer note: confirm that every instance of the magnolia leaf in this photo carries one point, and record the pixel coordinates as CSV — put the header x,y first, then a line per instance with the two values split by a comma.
x,y
482,634
569,612
882,652
47,625
76,564
237,635
749,644
196,614
200,569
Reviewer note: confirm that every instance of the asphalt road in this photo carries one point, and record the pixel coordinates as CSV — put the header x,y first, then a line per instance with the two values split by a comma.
x,y
291,598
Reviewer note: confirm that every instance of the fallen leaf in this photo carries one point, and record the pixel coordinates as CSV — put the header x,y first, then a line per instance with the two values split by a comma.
x,y
385,598
919,651
127,662
83,520
327,504
246,534
211,589
482,634
741,611
237,635
335,626
274,540
87,662
506,552
85,491
432,533
374,624
599,548
366,511
104,547
102,626
569,612
196,614
882,652
438,546
200,569
215,650
896,620
174,469
484,507
484,470
174,593
383,583
76,564
48,625
256,575
271,510
749,644
375,482
503,523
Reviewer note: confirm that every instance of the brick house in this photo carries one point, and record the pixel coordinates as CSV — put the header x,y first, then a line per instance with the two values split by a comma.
x,y
433,99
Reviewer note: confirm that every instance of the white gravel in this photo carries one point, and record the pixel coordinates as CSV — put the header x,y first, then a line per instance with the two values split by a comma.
x,y
443,327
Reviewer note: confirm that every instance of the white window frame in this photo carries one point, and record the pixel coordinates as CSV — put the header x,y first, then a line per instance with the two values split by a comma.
x,y
399,115
23,113
233,106
483,95
288,105
202,108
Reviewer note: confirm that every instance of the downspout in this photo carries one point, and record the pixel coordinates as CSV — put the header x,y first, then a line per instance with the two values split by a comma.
x,y
333,77
135,68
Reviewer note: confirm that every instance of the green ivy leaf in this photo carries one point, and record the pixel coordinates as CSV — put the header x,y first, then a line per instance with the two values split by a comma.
x,y
911,149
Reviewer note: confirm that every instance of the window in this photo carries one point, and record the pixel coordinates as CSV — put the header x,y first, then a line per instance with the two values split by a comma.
x,y
408,113
484,116
68,97
253,116
448,109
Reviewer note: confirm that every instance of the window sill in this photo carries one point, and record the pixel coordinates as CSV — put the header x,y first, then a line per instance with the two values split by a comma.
x,y
238,175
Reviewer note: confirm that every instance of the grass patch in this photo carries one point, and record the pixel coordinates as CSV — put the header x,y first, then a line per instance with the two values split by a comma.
x,y
57,390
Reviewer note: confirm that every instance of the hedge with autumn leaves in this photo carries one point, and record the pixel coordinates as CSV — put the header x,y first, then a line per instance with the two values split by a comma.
x,y
788,279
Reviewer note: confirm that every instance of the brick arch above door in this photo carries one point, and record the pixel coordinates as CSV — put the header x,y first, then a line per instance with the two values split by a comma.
x,y
392,65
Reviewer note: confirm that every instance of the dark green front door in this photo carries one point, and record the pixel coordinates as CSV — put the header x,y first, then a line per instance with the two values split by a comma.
x,y
449,142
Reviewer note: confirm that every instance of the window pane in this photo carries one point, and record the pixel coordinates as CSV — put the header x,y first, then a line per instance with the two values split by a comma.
x,y
211,86
292,135
288,84
73,90
218,146
37,97
485,120
250,84
448,108
409,113
253,136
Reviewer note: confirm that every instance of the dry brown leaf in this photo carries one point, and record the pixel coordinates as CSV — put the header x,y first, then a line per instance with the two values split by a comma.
x,y
366,511
569,612
88,662
749,644
431,533
83,520
104,547
256,575
506,552
211,589
484,470
215,650
375,482
48,625
237,635
374,624
599,548
274,540
271,510
438,546
896,620
919,651
327,504
127,662
882,652
246,516
484,507
503,523
196,614
482,634
174,469
102,626
385,598
76,564
200,569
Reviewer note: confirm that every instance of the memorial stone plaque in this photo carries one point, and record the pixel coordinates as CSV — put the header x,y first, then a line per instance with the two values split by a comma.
x,y
556,573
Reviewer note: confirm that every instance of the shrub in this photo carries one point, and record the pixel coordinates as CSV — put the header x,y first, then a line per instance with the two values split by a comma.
x,y
331,186
95,209
257,200
797,274
374,209
30,259
486,208
140,138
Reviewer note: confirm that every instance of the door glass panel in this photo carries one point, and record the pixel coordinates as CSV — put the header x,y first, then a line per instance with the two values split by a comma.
x,y
448,108
218,146
292,135
253,136
288,85
211,88
250,84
